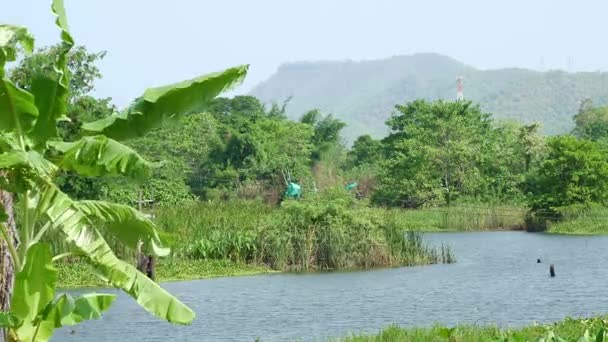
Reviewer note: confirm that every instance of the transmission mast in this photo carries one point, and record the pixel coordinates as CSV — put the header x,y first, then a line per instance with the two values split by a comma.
x,y
459,89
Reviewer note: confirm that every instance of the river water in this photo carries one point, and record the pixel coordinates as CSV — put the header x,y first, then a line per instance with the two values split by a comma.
x,y
496,280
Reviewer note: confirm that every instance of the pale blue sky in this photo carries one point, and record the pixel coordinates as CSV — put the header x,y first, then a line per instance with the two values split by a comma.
x,y
151,42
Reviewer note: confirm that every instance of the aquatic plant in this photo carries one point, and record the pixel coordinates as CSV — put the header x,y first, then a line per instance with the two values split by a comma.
x,y
321,233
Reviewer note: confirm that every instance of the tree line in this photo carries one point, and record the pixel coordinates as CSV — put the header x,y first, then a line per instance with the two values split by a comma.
x,y
437,153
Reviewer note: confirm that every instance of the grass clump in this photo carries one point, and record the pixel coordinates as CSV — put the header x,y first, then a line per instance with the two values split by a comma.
x,y
461,217
328,231
580,219
594,329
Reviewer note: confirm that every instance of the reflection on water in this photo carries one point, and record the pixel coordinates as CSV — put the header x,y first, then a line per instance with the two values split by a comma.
x,y
496,280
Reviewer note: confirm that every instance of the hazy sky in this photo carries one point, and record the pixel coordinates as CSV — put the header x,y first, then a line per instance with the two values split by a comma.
x,y
151,42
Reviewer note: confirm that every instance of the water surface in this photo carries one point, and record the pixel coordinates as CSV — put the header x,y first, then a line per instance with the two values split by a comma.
x,y
496,280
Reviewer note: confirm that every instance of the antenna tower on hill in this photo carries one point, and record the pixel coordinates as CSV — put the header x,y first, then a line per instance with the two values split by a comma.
x,y
459,89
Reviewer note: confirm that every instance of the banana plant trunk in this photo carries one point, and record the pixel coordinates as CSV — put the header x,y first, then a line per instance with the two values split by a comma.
x,y
6,262
145,263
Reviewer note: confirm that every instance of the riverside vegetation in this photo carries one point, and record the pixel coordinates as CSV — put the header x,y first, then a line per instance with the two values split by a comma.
x,y
581,330
445,166
449,160
330,232
217,177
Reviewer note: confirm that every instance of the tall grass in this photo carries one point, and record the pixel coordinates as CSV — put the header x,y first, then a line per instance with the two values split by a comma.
x,y
580,219
462,218
314,234
567,330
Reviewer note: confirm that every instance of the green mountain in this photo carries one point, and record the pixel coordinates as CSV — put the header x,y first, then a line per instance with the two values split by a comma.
x,y
363,94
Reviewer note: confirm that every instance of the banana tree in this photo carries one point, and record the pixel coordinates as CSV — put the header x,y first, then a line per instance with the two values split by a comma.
x,y
28,135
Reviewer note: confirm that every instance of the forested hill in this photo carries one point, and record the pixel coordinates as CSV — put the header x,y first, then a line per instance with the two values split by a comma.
x,y
363,94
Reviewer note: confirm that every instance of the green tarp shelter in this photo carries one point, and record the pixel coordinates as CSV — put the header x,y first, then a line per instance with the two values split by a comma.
x,y
293,191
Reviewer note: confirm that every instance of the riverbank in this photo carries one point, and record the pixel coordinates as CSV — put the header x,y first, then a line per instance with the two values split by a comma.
x,y
75,275
216,239
581,220
331,232
565,330
578,227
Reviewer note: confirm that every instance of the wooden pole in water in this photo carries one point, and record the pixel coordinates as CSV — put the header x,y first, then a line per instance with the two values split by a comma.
x,y
552,271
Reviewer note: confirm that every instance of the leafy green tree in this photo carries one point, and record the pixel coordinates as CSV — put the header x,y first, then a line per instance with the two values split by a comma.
x,y
502,166
28,131
513,150
532,144
326,131
575,171
365,151
435,152
254,146
238,111
591,122
80,63
180,151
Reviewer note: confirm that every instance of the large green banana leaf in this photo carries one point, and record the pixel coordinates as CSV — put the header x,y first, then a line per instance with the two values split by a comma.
x,y
30,159
65,310
35,312
51,89
18,111
64,214
167,104
101,156
34,288
125,223
62,22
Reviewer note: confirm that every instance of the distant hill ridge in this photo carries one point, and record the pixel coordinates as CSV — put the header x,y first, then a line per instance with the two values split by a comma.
x,y
364,93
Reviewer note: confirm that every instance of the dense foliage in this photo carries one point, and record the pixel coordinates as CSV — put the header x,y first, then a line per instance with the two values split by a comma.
x,y
437,153
450,160
328,231
591,122
574,171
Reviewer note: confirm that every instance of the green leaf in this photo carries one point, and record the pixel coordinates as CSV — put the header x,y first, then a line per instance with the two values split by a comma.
x,y
51,315
125,223
600,335
51,97
167,104
62,22
18,110
64,215
65,310
9,320
34,288
51,90
101,156
30,159
10,36
89,306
